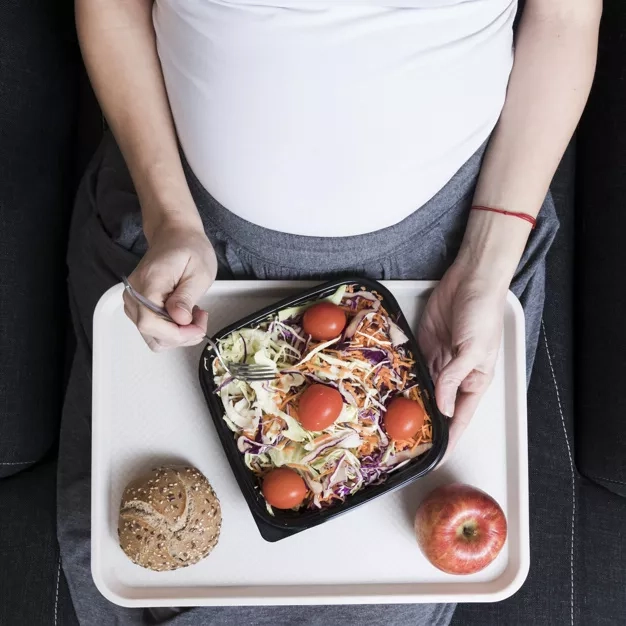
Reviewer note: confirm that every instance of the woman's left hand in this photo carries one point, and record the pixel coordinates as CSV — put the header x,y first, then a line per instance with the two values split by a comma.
x,y
459,335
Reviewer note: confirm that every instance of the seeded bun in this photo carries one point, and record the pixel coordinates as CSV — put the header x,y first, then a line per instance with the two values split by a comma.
x,y
169,518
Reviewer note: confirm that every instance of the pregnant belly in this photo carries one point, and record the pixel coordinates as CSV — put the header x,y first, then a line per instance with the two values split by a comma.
x,y
283,115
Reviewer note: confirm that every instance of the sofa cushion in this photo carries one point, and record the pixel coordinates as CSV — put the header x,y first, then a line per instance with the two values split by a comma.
x,y
38,62
33,588
601,261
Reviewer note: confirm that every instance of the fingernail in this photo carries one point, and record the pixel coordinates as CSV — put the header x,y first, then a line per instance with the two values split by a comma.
x,y
448,408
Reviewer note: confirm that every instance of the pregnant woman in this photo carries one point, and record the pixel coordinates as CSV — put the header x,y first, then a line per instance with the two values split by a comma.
x,y
288,139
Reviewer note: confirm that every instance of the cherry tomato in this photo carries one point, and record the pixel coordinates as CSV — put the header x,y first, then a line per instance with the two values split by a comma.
x,y
284,488
404,418
319,407
324,321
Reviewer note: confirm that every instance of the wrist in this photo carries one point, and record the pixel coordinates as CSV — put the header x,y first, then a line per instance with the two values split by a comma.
x,y
165,199
492,247
161,216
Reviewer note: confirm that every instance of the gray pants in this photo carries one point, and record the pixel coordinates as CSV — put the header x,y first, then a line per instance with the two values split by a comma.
x,y
106,242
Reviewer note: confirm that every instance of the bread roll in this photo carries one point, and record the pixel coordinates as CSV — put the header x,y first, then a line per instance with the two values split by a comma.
x,y
169,518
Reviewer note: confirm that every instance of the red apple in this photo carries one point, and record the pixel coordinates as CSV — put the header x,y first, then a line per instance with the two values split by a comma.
x,y
460,529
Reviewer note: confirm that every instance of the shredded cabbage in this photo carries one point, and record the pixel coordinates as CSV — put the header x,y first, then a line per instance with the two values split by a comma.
x,y
368,364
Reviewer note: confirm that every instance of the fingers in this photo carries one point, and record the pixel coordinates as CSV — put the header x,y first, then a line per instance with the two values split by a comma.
x,y
160,334
164,333
458,391
130,307
429,347
468,396
450,379
476,382
466,405
434,363
200,318
175,272
180,304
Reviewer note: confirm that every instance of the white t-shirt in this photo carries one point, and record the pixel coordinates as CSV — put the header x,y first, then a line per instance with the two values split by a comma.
x,y
332,117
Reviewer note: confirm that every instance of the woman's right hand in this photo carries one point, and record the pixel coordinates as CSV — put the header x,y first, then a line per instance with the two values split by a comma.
x,y
175,273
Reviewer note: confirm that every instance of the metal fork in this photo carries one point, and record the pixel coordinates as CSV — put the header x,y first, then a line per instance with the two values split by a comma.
x,y
241,371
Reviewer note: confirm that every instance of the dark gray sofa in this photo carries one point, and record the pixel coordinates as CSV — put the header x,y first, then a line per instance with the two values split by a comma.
x,y
49,125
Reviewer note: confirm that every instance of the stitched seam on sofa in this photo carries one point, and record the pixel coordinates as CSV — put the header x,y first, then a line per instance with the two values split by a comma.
x,y
18,463
56,594
573,474
608,480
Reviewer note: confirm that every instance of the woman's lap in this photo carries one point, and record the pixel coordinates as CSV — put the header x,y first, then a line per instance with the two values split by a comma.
x,y
106,242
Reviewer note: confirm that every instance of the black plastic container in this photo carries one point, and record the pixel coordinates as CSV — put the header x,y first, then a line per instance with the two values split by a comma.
x,y
285,523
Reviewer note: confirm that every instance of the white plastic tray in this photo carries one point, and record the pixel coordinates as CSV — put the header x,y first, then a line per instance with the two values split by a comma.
x,y
148,409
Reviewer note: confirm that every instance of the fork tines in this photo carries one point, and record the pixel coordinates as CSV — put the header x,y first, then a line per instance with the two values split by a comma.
x,y
252,373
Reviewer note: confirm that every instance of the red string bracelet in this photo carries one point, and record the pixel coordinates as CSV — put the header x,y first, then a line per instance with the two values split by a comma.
x,y
523,216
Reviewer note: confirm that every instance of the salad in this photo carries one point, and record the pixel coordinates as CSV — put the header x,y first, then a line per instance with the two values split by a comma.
x,y
364,376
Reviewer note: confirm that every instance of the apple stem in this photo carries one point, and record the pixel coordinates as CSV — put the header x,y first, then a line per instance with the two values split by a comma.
x,y
469,532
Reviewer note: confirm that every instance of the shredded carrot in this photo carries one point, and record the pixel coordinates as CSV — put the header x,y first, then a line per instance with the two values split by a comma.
x,y
367,383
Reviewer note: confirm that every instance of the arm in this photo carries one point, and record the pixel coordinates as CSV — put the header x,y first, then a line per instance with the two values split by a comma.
x,y
461,329
554,65
118,43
